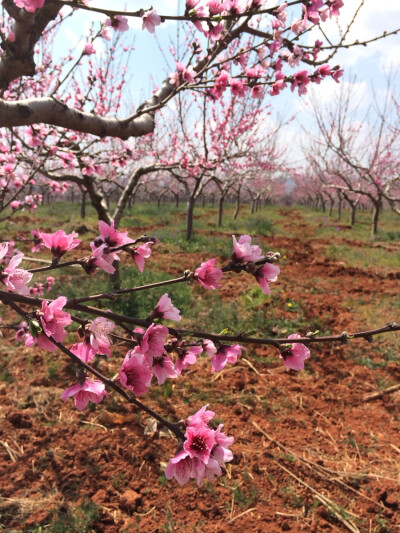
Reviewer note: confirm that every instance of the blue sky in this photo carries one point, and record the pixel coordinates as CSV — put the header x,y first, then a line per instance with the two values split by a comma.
x,y
148,66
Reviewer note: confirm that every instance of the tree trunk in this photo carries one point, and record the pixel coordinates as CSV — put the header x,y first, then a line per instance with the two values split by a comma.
x,y
220,209
353,214
177,200
253,206
340,208
237,204
83,205
331,207
189,217
375,218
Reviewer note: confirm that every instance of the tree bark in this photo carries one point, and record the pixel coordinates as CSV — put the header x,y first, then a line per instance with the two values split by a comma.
x,y
353,214
189,217
237,204
220,209
83,205
375,218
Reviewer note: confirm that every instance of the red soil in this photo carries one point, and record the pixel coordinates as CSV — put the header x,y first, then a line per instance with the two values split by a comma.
x,y
310,453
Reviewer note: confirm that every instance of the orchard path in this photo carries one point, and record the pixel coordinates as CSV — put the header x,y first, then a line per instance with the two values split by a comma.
x,y
310,454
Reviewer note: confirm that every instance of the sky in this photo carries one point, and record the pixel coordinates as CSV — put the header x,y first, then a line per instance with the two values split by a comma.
x,y
151,61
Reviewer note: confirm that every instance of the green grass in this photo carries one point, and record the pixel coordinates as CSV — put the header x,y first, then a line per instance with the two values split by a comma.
x,y
365,256
75,519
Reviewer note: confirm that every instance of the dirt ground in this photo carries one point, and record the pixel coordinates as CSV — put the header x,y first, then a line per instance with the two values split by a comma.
x,y
312,453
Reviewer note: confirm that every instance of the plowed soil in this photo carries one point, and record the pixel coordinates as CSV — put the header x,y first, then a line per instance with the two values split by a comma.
x,y
313,450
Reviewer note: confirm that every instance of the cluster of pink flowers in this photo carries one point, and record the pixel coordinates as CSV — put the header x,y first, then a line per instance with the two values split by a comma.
x,y
103,254
244,251
29,5
38,288
203,453
204,450
50,321
182,74
96,339
102,257
31,201
14,278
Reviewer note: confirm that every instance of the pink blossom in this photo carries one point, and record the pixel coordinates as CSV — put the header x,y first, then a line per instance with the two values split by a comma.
x,y
118,22
165,309
89,49
189,74
50,282
238,88
186,358
99,329
255,72
105,33
209,471
152,343
334,8
257,92
199,442
299,26
6,250
52,321
222,80
99,259
243,250
202,417
221,452
300,80
225,354
110,236
203,453
22,332
150,20
207,275
295,354
15,204
237,7
277,87
267,274
11,36
135,373
180,467
30,5
83,350
190,4
216,6
216,32
174,78
38,243
140,253
59,242
209,347
15,279
337,74
164,368
91,390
